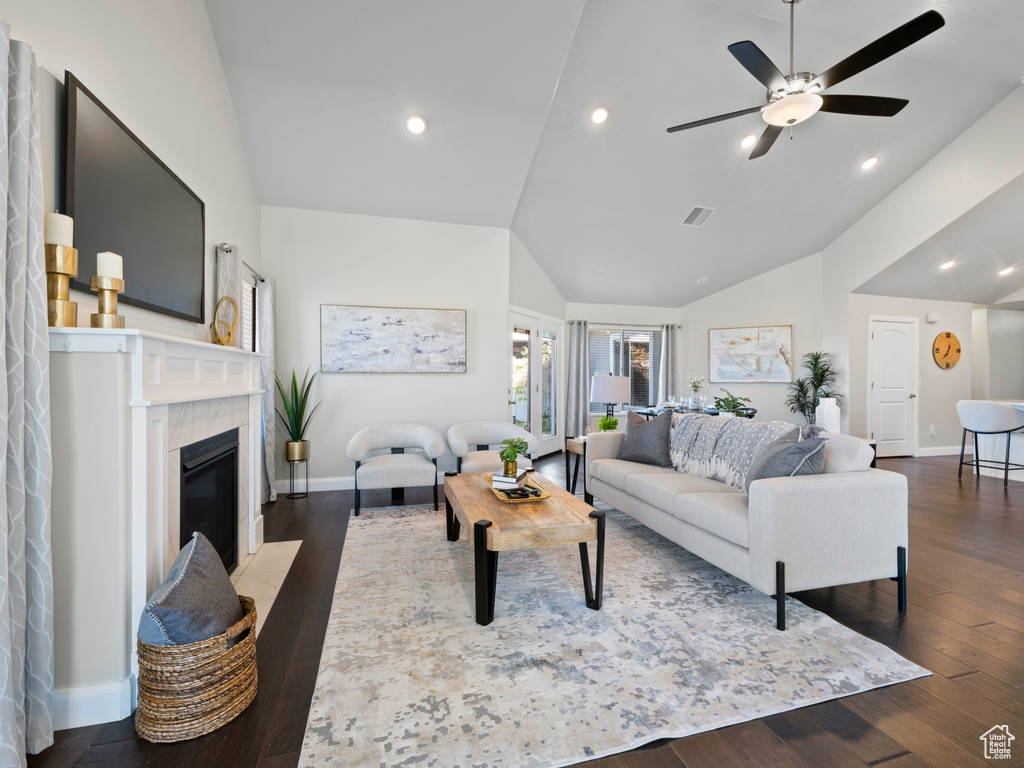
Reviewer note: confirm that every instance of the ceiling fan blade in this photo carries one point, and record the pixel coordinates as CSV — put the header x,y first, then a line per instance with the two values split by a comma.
x,y
882,48
759,65
709,120
873,106
771,133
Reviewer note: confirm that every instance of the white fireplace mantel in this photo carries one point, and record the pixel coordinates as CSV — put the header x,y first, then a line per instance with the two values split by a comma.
x,y
123,402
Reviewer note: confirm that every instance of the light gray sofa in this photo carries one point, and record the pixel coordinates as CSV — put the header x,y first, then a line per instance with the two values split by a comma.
x,y
789,533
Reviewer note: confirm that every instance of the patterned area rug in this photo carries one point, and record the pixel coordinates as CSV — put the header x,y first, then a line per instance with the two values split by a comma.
x,y
407,677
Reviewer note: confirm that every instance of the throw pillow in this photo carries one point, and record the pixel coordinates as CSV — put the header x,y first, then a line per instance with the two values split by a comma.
x,y
784,458
846,453
646,442
196,600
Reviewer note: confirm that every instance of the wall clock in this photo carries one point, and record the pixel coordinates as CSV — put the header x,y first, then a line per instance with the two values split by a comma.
x,y
946,350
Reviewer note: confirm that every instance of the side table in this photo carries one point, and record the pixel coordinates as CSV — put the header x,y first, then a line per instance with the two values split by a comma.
x,y
578,446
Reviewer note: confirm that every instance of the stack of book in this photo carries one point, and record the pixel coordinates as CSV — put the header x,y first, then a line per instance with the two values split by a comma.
x,y
508,482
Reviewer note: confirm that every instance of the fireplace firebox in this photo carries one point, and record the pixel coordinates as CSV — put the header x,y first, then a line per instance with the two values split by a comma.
x,y
209,494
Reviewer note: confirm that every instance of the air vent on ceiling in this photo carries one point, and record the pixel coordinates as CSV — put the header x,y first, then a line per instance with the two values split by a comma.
x,y
697,216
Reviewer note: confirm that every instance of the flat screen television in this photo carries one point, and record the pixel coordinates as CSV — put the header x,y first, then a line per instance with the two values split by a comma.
x,y
125,200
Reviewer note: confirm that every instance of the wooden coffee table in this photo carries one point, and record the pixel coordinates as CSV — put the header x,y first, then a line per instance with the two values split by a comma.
x,y
498,527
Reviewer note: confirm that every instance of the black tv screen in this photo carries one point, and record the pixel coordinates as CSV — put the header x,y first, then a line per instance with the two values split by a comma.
x,y
125,200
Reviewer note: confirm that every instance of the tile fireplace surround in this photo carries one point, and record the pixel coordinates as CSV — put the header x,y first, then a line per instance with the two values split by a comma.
x,y
123,403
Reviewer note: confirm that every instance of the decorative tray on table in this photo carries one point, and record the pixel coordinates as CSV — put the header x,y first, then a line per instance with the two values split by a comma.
x,y
529,491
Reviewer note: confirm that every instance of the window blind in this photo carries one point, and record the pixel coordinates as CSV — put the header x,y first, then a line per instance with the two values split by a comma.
x,y
631,352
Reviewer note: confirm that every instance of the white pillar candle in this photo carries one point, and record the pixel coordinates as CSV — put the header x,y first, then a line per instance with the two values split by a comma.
x,y
109,265
58,229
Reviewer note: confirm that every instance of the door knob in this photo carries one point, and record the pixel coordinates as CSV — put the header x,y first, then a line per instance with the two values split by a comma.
x,y
913,395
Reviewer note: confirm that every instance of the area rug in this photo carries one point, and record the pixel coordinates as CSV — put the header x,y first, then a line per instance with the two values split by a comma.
x,y
407,677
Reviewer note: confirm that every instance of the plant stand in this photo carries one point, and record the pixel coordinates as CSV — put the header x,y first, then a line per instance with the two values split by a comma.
x,y
291,479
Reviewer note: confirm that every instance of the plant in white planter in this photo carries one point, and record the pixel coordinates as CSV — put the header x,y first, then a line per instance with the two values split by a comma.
x,y
295,400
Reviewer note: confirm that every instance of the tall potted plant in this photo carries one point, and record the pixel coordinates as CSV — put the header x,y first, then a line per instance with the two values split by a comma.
x,y
805,393
295,400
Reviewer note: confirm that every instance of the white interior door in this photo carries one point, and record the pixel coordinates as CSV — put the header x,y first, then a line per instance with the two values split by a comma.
x,y
892,366
534,397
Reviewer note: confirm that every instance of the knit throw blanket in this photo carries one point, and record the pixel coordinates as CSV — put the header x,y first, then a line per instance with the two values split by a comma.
x,y
721,449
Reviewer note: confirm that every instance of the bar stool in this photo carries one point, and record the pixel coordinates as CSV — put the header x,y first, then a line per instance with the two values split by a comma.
x,y
984,417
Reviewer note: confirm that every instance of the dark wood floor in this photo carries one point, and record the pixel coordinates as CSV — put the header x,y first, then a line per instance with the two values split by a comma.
x,y
965,623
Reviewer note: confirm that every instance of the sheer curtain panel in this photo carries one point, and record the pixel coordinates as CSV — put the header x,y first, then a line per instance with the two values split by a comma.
x,y
265,345
26,573
668,373
578,405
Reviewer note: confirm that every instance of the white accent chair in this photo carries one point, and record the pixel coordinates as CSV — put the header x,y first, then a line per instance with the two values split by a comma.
x,y
984,417
396,469
470,443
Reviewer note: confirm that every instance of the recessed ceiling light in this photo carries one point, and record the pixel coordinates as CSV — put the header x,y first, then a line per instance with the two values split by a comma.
x,y
869,163
748,141
416,124
1006,271
702,281
599,115
947,265
601,273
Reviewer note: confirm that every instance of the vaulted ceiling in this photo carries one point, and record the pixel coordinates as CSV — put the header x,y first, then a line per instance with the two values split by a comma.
x,y
323,87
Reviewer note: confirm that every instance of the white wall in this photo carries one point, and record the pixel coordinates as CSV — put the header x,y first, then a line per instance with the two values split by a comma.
x,y
529,286
334,258
155,65
1006,354
979,357
789,295
972,167
939,390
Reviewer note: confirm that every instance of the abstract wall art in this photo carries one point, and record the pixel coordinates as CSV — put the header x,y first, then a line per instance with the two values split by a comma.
x,y
392,340
751,355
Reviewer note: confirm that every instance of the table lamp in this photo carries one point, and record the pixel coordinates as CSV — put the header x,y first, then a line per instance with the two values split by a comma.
x,y
610,390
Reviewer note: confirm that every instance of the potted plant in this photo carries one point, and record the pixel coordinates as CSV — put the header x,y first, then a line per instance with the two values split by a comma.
x,y
805,393
695,384
510,453
728,405
608,424
295,418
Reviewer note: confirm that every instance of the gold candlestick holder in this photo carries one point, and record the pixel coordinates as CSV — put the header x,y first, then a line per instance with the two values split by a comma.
x,y
106,289
61,266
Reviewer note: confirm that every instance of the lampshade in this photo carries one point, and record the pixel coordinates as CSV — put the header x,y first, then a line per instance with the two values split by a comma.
x,y
609,389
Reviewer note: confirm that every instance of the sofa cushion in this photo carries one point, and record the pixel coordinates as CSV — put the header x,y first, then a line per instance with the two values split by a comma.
x,y
660,489
196,600
785,458
615,471
489,461
726,515
399,470
647,441
845,453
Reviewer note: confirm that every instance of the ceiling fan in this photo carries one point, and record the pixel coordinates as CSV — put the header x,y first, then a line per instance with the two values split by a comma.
x,y
795,97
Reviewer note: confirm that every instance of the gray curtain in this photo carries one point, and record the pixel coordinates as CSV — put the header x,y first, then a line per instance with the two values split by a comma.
x,y
578,405
229,281
265,345
668,372
26,574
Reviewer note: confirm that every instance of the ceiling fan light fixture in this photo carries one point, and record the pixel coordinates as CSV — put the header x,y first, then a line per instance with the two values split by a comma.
x,y
748,141
947,265
869,163
416,124
792,109
599,115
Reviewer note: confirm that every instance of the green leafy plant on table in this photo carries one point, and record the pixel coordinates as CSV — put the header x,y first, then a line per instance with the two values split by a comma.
x,y
608,424
730,403
806,392
295,400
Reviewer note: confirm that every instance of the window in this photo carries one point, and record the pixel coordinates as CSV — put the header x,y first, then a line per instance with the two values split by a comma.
x,y
247,321
633,352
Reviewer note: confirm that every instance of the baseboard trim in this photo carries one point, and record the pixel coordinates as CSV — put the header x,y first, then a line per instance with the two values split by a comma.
x,y
93,704
944,450
342,483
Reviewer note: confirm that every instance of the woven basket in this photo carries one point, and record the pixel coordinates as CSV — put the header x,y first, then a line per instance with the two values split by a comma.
x,y
195,688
